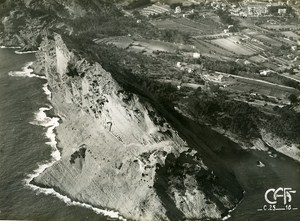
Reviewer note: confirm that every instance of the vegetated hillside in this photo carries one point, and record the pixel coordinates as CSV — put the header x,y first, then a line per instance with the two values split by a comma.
x,y
27,22
126,149
216,108
242,119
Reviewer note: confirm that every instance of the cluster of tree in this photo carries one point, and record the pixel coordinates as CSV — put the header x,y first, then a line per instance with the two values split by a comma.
x,y
235,1
287,126
242,119
137,4
274,9
229,67
226,18
137,73
219,110
291,83
171,35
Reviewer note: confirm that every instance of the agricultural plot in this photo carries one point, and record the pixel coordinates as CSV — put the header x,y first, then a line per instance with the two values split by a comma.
x,y
121,42
290,34
281,27
268,40
207,26
258,59
235,47
212,48
295,77
142,45
287,41
173,25
262,89
202,48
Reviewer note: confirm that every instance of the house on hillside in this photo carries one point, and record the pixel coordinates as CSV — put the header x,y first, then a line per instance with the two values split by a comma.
x,y
177,10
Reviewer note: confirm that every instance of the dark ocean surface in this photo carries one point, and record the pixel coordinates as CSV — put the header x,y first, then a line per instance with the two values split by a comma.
x,y
23,147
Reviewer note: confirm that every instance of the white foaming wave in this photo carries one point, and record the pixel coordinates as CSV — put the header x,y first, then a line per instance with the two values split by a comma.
x,y
25,52
47,91
234,208
26,72
10,47
42,119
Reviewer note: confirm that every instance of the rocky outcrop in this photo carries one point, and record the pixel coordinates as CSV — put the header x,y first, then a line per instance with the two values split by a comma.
x,y
118,152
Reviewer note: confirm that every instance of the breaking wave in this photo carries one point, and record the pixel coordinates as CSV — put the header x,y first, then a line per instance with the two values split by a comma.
x,y
10,47
41,119
25,52
26,72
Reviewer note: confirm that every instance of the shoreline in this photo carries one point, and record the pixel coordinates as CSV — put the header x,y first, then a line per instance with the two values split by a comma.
x,y
50,123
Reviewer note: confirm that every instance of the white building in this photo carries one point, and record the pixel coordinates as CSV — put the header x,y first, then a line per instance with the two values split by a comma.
x,y
282,11
177,10
196,55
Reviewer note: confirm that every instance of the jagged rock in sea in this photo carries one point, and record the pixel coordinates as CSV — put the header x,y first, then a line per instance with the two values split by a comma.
x,y
118,152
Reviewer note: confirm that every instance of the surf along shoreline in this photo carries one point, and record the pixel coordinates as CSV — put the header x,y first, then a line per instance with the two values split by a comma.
x,y
45,117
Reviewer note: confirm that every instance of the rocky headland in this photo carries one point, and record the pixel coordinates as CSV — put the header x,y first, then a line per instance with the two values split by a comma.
x,y
123,144
118,152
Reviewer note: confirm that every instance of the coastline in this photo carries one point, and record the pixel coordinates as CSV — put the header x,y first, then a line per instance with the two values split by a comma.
x,y
41,119
44,120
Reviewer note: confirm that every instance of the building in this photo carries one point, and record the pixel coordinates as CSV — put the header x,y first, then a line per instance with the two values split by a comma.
x,y
177,10
282,11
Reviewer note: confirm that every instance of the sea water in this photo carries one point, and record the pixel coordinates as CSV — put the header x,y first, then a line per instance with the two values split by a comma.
x,y
28,146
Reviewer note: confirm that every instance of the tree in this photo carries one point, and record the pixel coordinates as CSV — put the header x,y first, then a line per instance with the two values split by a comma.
x,y
293,98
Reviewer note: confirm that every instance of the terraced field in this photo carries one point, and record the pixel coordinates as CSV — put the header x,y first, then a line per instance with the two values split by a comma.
x,y
269,40
234,47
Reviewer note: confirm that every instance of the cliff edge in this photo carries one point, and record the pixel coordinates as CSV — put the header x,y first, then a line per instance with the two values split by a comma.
x,y
117,152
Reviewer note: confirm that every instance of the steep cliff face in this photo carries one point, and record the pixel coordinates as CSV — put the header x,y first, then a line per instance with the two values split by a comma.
x,y
117,152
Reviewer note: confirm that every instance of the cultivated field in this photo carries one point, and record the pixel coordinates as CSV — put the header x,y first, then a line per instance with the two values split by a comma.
x,y
281,27
142,45
267,90
194,28
233,46
290,34
269,40
173,25
258,59
204,45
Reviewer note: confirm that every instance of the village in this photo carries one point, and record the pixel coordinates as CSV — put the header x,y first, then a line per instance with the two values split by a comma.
x,y
249,49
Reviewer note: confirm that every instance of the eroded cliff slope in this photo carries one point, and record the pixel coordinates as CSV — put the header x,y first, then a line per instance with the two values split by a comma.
x,y
117,152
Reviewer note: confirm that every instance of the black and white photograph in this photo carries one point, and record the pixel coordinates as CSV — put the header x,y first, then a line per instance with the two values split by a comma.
x,y
149,110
